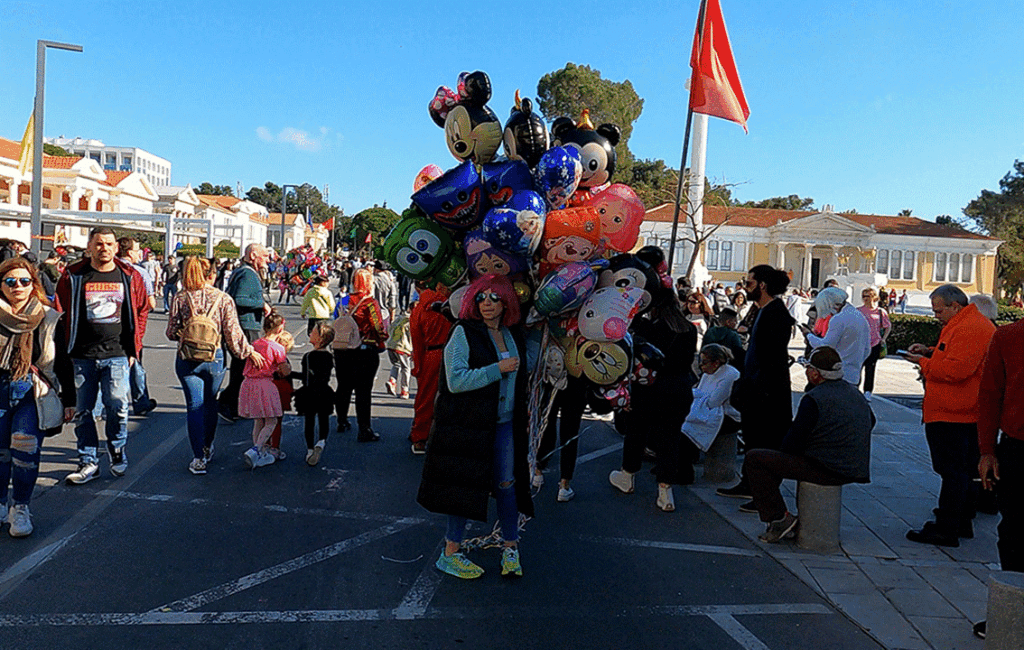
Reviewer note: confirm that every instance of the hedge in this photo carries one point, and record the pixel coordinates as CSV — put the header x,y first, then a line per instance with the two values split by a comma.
x,y
907,329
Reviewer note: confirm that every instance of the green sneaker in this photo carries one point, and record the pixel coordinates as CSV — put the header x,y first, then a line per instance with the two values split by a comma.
x,y
458,565
510,565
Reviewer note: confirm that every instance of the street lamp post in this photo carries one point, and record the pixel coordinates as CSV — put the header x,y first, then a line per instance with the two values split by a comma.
x,y
284,205
37,140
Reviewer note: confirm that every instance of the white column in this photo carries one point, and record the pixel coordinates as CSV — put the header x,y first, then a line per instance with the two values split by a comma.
x,y
780,256
806,283
695,193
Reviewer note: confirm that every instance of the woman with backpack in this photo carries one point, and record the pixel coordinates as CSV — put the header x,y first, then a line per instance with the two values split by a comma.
x,y
201,318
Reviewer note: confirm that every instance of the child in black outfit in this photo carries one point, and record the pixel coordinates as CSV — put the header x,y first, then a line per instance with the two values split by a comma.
x,y
317,400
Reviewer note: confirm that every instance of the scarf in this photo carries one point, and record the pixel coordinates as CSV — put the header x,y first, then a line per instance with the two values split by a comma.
x,y
16,336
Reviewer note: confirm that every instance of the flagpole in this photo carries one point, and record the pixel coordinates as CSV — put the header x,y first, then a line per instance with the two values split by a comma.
x,y
686,147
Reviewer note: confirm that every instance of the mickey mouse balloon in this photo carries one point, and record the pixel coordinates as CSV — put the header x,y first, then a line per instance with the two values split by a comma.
x,y
471,129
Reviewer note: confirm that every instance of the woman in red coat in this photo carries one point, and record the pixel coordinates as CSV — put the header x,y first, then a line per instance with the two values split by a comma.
x,y
429,331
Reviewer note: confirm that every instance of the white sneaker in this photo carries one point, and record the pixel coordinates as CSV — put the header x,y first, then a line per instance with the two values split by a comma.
x,y
622,479
250,456
565,494
118,462
666,500
20,521
197,466
264,459
537,481
313,455
85,473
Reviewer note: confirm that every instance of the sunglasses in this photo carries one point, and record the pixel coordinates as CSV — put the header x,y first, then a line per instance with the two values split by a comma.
x,y
484,295
13,282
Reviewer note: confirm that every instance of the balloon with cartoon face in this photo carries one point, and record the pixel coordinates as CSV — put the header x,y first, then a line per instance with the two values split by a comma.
x,y
564,289
600,362
503,179
525,136
471,129
621,212
570,235
557,174
627,271
422,250
516,231
483,257
456,200
607,313
596,146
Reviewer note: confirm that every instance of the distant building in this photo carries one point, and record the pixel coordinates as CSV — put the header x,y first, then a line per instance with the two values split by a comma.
x,y
122,159
907,252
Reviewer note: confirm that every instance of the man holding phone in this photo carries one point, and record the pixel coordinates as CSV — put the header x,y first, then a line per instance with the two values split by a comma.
x,y
952,374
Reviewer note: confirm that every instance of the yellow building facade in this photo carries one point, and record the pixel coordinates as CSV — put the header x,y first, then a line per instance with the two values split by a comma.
x,y
902,252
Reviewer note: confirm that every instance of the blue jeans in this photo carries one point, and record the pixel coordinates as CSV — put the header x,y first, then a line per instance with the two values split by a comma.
x,y
20,439
504,491
200,381
108,377
170,289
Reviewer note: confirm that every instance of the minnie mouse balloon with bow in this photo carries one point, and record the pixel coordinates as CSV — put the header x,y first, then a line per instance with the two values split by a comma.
x,y
471,129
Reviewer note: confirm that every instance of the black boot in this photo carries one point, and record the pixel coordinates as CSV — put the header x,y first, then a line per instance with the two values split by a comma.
x,y
368,435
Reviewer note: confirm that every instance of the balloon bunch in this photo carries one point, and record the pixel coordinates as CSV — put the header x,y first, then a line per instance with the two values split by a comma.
x,y
300,267
547,217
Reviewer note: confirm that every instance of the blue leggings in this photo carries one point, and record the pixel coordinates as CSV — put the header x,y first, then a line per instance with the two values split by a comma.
x,y
504,490
21,441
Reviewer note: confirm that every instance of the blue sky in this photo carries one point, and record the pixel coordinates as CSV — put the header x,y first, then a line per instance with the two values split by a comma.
x,y
866,104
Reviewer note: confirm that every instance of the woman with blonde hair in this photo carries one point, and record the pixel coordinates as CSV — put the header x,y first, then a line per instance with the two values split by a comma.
x,y
201,379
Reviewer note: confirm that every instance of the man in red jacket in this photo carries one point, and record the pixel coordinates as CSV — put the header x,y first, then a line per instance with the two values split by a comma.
x,y
105,309
429,332
1001,467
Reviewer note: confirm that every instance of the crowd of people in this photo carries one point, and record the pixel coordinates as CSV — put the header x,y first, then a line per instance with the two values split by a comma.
x,y
71,351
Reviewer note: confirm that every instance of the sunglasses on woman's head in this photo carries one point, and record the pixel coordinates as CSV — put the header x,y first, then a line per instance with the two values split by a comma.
x,y
484,295
13,282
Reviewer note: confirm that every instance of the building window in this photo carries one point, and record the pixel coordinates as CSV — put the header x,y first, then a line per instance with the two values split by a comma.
x,y
940,267
726,255
968,266
896,262
908,265
954,267
712,256
882,263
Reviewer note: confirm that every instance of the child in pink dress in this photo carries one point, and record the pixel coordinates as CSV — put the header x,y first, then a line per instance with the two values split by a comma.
x,y
258,398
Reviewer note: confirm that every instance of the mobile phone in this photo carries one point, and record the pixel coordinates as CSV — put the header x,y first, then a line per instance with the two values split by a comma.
x,y
902,353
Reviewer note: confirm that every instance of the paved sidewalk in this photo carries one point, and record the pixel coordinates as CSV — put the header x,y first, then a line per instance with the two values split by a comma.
x,y
906,595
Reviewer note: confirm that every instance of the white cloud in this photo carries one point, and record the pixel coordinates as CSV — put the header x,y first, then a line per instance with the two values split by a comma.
x,y
302,140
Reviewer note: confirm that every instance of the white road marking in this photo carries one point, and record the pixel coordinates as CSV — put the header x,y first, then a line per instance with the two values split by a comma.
x,y
738,632
675,546
597,454
719,613
253,579
418,598
12,577
341,514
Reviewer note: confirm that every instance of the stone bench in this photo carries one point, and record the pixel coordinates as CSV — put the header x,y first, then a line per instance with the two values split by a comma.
x,y
720,459
819,508
1005,622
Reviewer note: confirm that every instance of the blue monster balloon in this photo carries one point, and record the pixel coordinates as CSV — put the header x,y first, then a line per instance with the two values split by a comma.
x,y
503,179
516,231
456,200
557,175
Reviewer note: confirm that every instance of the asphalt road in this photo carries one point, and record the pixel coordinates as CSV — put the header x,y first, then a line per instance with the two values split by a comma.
x,y
341,556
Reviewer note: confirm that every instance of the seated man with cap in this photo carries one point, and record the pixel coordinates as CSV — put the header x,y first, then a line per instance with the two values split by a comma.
x,y
829,443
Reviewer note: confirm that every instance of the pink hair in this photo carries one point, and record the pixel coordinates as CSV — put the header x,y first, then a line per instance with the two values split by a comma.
x,y
500,285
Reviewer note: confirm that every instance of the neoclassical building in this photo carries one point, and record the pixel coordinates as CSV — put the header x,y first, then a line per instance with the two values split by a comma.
x,y
910,253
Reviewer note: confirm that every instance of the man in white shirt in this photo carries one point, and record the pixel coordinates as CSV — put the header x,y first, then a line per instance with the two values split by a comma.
x,y
848,331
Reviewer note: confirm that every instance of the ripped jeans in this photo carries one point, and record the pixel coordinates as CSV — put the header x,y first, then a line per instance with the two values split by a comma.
x,y
20,439
504,491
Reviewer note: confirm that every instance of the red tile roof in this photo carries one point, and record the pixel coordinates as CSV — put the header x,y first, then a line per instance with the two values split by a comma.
x,y
11,150
226,202
275,219
765,217
114,178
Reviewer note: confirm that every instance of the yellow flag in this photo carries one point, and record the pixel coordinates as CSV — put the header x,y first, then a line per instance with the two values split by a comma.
x,y
26,145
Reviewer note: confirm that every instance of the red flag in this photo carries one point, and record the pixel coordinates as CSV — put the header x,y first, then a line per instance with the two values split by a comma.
x,y
715,87
369,237
329,224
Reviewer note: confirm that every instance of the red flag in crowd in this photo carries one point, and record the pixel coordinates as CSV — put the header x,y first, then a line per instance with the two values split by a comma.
x,y
329,224
369,238
715,87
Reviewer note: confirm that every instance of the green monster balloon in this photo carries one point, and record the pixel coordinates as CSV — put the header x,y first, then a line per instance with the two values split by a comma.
x,y
423,250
